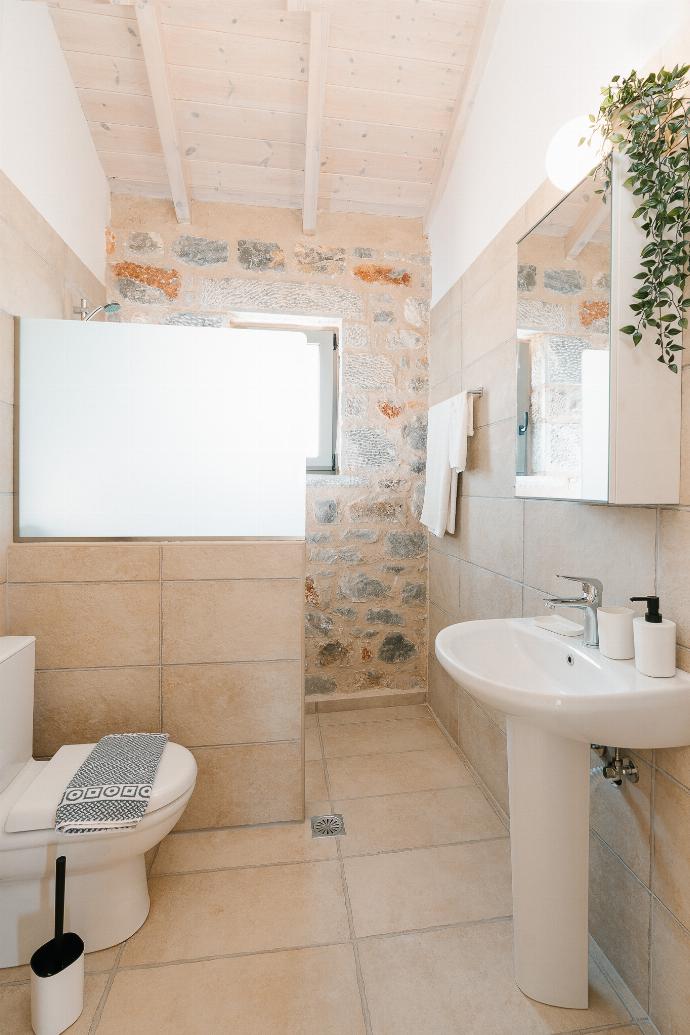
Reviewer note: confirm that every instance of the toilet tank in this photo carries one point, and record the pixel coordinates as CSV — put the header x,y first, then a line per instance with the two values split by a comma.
x,y
17,663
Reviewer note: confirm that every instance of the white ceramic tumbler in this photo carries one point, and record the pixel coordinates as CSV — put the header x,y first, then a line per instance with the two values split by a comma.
x,y
616,632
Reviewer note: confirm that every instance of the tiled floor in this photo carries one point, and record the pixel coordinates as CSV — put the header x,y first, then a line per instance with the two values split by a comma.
x,y
400,927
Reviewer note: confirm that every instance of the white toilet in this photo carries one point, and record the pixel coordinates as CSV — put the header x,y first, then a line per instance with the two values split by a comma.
x,y
107,895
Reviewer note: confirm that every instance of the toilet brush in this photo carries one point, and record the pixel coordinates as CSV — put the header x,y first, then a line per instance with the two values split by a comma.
x,y
57,971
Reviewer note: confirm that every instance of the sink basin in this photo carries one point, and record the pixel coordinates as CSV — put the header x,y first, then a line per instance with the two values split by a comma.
x,y
559,697
572,690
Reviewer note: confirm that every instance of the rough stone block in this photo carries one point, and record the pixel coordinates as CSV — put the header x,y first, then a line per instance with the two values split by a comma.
x,y
200,251
280,296
334,653
414,593
406,544
526,277
368,447
565,282
389,410
147,285
325,511
403,338
396,648
319,259
375,273
362,587
318,623
416,311
193,320
319,685
539,315
372,373
383,616
384,510
384,316
260,256
356,336
143,245
415,433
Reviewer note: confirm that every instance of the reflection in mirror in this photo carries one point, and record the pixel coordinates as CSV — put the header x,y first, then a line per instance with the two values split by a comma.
x,y
563,351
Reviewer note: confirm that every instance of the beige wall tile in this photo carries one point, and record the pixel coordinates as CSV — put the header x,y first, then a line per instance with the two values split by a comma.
x,y
484,744
445,353
491,461
621,816
489,315
483,594
294,993
615,544
495,373
83,625
79,706
3,609
102,562
671,873
670,973
685,438
233,703
252,620
241,560
443,885
674,570
619,910
461,979
6,530
443,390
490,534
375,714
443,696
239,911
676,762
444,582
242,784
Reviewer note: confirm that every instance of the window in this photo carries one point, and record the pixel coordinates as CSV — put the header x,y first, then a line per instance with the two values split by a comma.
x,y
321,394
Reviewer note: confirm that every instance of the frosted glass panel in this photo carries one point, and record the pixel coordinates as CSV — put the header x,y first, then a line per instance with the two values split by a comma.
x,y
144,430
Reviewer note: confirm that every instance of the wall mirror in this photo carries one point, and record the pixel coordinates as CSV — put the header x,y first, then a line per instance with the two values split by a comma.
x,y
597,419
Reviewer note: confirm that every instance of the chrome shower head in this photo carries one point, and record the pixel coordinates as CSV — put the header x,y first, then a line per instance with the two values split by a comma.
x,y
109,307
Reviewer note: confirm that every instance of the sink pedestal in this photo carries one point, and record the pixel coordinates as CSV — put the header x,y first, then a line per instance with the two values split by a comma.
x,y
549,835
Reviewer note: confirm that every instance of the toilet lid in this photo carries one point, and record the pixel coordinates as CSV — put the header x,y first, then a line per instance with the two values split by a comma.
x,y
36,807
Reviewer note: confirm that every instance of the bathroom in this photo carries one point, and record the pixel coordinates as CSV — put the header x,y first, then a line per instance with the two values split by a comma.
x,y
363,220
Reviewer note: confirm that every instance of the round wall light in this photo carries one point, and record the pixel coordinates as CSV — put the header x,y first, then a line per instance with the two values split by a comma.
x,y
566,162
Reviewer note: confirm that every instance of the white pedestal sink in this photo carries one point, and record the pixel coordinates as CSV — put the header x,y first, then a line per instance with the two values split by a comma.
x,y
559,697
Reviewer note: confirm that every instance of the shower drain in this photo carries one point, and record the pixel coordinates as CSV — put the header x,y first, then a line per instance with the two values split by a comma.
x,y
327,826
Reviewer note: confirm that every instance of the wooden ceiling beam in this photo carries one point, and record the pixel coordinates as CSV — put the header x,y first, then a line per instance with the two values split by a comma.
x,y
316,96
590,220
153,51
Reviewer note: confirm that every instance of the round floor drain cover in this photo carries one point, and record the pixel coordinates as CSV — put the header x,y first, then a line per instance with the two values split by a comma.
x,y
327,826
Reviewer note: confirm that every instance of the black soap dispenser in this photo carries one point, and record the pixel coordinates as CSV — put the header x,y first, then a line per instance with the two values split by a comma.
x,y
655,641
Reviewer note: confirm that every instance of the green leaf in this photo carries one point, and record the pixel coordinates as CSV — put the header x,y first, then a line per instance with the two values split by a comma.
x,y
628,329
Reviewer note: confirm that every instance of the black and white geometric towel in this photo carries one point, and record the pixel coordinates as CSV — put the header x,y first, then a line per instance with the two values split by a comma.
x,y
112,787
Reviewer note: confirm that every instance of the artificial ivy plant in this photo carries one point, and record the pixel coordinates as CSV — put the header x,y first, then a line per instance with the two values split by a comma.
x,y
647,119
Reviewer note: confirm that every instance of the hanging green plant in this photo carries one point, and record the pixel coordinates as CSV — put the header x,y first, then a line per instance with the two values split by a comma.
x,y
647,119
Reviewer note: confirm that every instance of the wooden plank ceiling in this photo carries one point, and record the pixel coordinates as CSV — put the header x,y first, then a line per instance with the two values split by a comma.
x,y
238,82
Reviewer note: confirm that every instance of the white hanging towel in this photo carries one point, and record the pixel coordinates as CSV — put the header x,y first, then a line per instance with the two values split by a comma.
x,y
450,423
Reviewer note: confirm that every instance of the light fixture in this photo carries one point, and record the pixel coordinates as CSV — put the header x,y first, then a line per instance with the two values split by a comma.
x,y
566,162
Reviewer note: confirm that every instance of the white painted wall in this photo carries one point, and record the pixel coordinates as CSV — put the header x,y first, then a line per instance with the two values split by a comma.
x,y
45,144
547,62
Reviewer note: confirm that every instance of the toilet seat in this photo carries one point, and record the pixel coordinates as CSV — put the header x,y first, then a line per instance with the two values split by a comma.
x,y
36,805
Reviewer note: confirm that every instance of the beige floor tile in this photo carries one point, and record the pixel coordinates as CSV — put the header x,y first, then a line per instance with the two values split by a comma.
x,y
303,992
245,846
370,775
311,721
376,737
397,821
15,1007
460,980
315,781
356,715
403,891
312,745
232,911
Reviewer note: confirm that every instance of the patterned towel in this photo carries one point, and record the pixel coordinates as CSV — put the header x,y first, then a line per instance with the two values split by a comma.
x,y
111,788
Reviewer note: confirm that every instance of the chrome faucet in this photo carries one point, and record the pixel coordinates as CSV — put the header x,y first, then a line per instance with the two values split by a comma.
x,y
589,602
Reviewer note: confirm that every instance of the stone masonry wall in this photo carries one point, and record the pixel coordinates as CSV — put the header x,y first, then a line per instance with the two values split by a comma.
x,y
366,551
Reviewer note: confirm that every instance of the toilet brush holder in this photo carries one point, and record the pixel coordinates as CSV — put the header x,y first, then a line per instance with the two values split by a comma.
x,y
57,971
